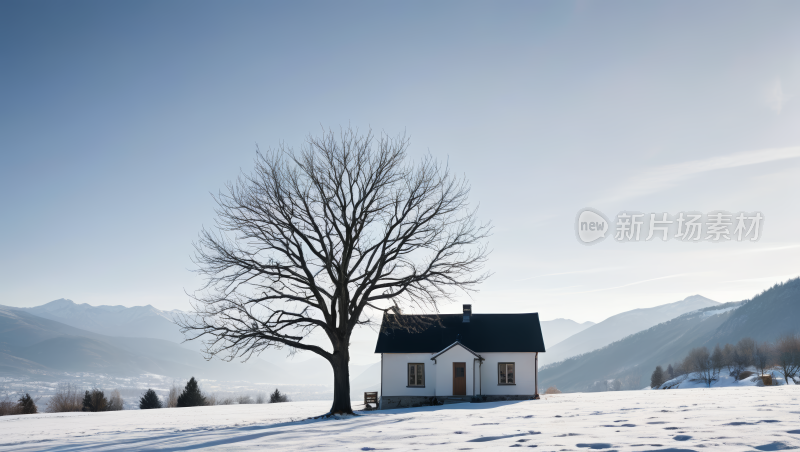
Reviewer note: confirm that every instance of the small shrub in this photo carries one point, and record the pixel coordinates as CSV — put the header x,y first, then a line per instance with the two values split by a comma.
x,y
8,407
479,398
745,374
261,398
67,398
552,390
278,397
149,400
244,400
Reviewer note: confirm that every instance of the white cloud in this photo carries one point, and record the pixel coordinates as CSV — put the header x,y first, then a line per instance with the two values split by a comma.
x,y
663,177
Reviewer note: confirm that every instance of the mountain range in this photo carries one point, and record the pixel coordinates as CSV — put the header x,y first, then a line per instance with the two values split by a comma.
x,y
765,317
31,344
64,336
136,321
49,339
619,326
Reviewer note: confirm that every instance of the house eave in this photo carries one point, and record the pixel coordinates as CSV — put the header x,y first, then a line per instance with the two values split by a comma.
x,y
453,345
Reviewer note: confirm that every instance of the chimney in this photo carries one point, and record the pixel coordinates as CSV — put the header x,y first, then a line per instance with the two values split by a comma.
x,y
467,313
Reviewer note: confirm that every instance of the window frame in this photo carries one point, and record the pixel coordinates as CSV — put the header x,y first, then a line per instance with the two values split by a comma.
x,y
408,375
499,381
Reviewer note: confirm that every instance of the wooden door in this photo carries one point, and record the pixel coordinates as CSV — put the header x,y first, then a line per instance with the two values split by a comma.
x,y
459,378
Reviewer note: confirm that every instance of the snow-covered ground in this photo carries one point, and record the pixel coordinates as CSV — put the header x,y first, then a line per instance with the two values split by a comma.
x,y
729,419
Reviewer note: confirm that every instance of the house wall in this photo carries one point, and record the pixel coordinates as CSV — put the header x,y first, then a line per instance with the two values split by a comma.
x,y
395,374
483,379
525,367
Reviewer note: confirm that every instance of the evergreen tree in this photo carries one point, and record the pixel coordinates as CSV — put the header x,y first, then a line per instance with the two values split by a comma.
x,y
149,400
191,395
657,379
27,405
95,400
278,397
670,372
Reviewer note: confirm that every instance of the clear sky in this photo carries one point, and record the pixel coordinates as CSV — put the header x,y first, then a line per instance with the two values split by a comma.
x,y
117,119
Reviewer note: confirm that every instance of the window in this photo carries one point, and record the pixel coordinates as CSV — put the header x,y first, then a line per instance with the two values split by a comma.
x,y
416,374
506,374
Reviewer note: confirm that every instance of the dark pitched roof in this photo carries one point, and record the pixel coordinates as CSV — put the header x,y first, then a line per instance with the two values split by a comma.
x,y
485,333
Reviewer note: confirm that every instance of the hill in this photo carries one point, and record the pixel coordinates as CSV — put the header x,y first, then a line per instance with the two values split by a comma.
x,y
621,325
32,344
773,312
765,317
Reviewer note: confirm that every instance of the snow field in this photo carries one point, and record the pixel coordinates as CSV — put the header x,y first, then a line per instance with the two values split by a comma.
x,y
729,419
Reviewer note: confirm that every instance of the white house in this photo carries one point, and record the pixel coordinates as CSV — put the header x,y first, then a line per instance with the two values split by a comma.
x,y
459,356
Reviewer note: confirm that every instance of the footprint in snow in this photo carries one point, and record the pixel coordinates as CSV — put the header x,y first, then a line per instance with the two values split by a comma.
x,y
672,449
777,445
594,445
682,438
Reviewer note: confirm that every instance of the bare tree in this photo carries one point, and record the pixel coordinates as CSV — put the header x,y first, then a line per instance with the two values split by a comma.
x,y
787,356
327,239
172,398
746,348
717,360
115,402
701,364
762,357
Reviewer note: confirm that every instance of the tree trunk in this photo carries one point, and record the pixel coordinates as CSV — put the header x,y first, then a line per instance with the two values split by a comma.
x,y
341,383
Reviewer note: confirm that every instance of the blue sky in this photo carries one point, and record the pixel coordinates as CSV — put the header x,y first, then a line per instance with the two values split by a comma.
x,y
118,119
